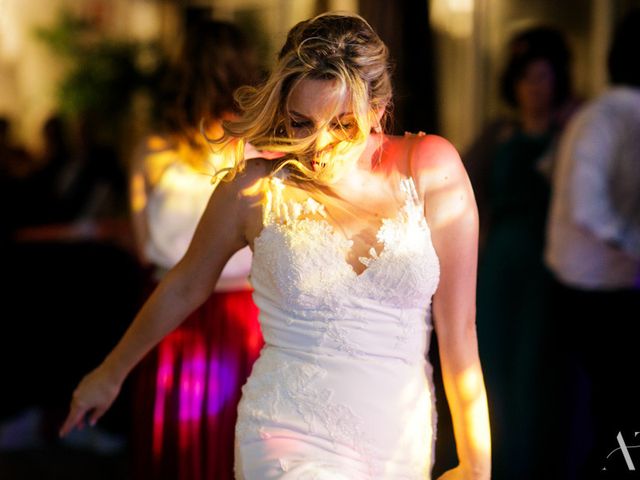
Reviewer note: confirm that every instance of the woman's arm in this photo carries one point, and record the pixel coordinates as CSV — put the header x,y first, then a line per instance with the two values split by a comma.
x,y
453,218
221,232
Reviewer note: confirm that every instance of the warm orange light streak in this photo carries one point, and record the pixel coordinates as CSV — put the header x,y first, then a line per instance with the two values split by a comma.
x,y
138,194
473,396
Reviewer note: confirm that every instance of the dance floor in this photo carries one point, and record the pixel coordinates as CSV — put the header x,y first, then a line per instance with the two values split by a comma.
x,y
62,464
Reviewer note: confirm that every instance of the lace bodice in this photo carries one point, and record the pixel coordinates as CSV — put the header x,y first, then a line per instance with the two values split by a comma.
x,y
300,262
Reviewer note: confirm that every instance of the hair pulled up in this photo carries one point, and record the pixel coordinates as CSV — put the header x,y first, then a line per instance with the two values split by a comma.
x,y
332,46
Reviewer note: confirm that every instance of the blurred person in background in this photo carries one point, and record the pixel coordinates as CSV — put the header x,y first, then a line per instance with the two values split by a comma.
x,y
16,168
509,166
15,161
63,264
46,187
76,190
593,251
189,386
56,155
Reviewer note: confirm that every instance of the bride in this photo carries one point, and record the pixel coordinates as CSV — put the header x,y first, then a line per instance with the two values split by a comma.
x,y
357,237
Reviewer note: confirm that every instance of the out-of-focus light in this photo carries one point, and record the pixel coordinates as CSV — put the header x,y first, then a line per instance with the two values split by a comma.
x,y
11,31
193,371
460,6
138,193
164,384
144,19
453,17
222,382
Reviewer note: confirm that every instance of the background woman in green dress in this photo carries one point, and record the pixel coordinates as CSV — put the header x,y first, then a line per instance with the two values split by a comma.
x,y
510,166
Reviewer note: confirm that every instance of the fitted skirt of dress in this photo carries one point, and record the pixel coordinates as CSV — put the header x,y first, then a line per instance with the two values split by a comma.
x,y
305,415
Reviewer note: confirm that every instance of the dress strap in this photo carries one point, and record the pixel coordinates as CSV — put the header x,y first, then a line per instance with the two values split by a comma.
x,y
276,208
272,203
408,186
414,139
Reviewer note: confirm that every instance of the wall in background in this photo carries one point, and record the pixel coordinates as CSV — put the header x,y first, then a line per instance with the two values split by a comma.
x,y
469,38
29,72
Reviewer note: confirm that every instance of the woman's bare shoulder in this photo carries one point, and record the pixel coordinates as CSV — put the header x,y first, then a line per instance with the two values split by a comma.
x,y
255,172
242,196
433,152
430,159
441,178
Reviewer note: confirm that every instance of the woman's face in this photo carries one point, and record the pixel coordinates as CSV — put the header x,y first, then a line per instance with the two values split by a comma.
x,y
322,106
535,90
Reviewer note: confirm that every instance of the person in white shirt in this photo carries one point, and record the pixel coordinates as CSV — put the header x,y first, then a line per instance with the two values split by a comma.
x,y
593,249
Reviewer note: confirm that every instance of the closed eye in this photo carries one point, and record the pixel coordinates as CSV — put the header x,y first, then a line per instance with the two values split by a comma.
x,y
343,126
300,124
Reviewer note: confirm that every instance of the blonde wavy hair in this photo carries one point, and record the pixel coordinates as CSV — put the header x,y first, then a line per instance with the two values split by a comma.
x,y
332,46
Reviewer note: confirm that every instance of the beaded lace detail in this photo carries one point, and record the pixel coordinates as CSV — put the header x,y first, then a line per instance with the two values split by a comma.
x,y
300,255
405,236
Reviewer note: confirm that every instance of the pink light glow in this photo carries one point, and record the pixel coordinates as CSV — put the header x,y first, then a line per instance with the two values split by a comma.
x,y
223,382
192,378
200,369
164,382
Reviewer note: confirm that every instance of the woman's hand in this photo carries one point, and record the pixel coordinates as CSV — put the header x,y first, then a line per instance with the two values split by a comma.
x,y
91,399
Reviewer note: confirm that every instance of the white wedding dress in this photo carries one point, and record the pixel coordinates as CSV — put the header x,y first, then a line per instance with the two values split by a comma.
x,y
342,388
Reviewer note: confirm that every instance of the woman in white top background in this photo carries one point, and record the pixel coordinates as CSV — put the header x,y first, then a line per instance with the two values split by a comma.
x,y
187,389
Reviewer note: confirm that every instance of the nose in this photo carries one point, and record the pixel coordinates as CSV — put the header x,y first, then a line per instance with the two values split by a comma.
x,y
325,139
